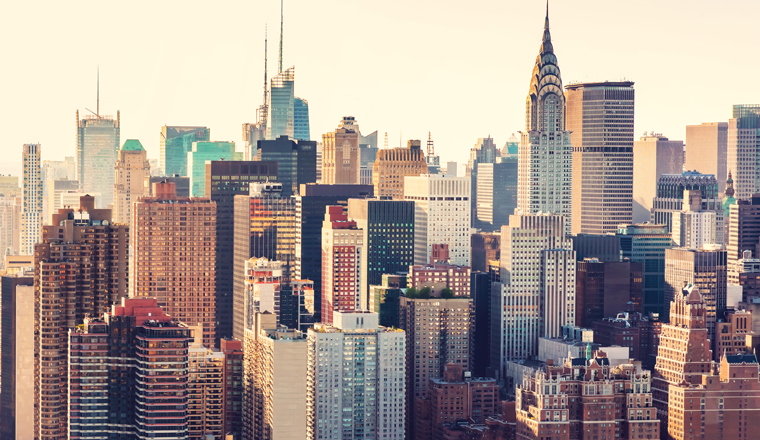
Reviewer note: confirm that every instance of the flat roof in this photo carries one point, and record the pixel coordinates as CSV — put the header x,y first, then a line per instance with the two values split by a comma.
x,y
600,84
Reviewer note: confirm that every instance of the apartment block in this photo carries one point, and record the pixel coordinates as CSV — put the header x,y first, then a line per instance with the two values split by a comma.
x,y
441,276
31,208
344,265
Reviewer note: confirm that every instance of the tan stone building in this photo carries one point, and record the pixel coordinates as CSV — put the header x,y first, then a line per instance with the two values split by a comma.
x,y
340,154
132,179
205,391
392,165
706,147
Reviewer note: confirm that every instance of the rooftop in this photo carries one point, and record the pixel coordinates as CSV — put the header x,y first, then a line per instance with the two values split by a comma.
x,y
132,145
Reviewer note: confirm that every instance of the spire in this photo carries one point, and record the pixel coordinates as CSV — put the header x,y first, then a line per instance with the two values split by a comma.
x,y
546,24
281,15
729,192
97,104
265,64
430,147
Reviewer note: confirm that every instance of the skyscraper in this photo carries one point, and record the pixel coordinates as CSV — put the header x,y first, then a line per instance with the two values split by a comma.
x,y
704,269
31,210
392,165
265,227
205,388
646,243
669,198
301,119
132,179
173,255
176,142
440,331
744,229
442,215
80,269
605,288
388,227
281,105
693,227
496,193
310,215
10,228
545,165
17,392
140,389
55,188
653,156
340,154
743,144
600,117
97,151
536,295
484,152
344,265
296,162
706,146
226,179
196,162
275,381
264,280
355,379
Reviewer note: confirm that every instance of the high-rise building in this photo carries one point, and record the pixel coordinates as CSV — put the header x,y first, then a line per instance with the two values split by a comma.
x,y
355,379
388,227
454,397
80,269
384,299
54,189
743,142
301,119
704,269
129,375
605,288
392,165
173,255
600,117
670,197
645,243
225,180
726,202
438,331
17,385
9,185
440,276
344,265
264,281
281,112
684,355
97,151
310,215
275,381
692,227
496,193
442,215
132,179
176,142
205,391
545,165
536,295
340,154
296,162
252,134
485,248
484,152
743,229
31,210
584,398
706,146
265,227
233,386
10,227
196,162
653,156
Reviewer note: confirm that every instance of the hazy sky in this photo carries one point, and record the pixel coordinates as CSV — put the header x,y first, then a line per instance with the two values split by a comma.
x,y
458,69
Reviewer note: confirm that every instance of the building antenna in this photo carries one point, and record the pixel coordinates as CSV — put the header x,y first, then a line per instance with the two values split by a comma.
x,y
281,14
430,147
265,65
386,140
97,109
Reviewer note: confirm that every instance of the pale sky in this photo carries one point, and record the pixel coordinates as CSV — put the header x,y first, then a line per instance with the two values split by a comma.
x,y
460,70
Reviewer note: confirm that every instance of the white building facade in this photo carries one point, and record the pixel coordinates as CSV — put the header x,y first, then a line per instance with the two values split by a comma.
x,y
442,215
536,295
31,209
355,379
545,155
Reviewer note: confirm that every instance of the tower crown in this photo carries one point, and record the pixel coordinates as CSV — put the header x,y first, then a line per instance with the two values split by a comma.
x,y
545,104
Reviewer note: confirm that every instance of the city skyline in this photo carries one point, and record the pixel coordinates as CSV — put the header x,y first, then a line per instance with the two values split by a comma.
x,y
153,80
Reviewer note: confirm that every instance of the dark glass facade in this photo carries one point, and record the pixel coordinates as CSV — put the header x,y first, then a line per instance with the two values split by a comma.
x,y
297,161
310,213
496,194
604,288
224,181
176,142
602,247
